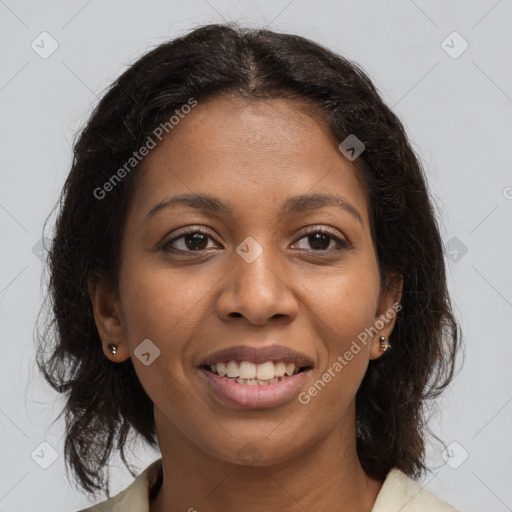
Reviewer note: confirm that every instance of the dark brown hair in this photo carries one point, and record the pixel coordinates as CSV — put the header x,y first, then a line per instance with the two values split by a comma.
x,y
104,401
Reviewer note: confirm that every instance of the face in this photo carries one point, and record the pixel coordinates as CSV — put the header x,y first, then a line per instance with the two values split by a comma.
x,y
269,259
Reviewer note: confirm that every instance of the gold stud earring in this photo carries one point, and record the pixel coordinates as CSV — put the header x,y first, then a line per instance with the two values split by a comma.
x,y
384,345
113,349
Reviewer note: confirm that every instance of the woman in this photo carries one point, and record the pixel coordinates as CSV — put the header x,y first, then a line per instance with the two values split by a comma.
x,y
247,271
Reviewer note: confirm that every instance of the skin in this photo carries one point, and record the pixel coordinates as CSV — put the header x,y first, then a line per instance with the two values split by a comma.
x,y
254,155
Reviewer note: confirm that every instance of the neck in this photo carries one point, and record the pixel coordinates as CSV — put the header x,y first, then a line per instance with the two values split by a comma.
x,y
325,476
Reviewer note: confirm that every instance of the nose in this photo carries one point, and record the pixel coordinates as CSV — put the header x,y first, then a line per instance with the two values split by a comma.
x,y
257,290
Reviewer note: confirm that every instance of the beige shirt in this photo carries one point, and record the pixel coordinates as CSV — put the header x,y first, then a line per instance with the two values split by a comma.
x,y
399,493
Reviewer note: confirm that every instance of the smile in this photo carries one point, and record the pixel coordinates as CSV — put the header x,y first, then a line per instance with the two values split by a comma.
x,y
252,374
247,385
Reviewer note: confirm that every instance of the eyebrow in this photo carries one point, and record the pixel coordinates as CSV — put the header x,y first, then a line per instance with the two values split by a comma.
x,y
295,204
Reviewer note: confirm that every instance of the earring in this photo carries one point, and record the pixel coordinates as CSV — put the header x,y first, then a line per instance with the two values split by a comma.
x,y
384,345
113,349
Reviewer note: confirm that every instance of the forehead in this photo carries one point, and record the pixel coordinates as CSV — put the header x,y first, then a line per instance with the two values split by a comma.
x,y
257,152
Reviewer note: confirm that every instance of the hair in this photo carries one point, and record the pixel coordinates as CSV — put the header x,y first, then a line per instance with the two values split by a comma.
x,y
105,401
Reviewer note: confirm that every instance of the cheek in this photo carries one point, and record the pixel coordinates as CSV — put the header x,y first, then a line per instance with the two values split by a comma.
x,y
343,311
164,306
345,301
160,303
156,307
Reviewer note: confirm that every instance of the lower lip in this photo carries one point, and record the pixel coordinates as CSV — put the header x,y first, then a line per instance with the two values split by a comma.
x,y
258,396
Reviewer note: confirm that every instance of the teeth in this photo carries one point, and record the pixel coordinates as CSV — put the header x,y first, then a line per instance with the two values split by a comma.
x,y
247,382
266,371
246,371
280,369
232,369
290,368
222,369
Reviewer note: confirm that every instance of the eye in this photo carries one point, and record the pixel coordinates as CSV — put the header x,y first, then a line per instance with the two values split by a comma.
x,y
195,240
192,240
320,240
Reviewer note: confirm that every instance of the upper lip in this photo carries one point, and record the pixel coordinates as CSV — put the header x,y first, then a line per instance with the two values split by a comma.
x,y
258,355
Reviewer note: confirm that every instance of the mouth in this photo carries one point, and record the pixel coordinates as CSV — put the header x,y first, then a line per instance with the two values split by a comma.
x,y
249,385
249,373
255,377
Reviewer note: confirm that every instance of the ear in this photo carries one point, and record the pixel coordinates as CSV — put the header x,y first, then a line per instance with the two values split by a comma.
x,y
106,308
387,310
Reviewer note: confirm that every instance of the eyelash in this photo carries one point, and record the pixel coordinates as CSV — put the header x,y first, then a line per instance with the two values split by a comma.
x,y
342,244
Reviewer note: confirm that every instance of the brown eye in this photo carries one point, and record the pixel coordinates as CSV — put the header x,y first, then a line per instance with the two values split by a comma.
x,y
196,241
191,241
320,239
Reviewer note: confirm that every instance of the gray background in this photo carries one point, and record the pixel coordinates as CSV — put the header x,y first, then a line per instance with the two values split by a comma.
x,y
457,112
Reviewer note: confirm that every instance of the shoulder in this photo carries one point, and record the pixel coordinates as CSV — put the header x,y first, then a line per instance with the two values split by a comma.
x,y
401,493
136,497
